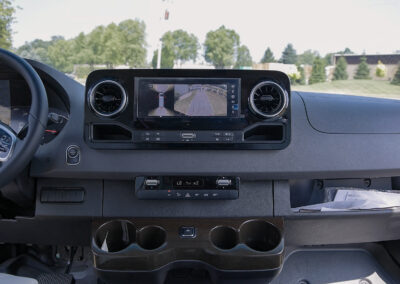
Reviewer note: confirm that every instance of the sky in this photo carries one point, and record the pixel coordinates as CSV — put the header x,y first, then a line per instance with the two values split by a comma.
x,y
370,26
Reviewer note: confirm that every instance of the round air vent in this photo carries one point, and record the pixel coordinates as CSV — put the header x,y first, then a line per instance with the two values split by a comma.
x,y
107,98
268,99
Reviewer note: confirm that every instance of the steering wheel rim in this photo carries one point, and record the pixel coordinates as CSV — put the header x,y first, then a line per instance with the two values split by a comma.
x,y
20,152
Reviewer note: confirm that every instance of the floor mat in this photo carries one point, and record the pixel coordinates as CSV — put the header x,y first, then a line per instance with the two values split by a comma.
x,y
333,266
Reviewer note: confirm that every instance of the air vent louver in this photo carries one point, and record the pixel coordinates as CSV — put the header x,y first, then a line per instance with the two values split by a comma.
x,y
107,98
268,99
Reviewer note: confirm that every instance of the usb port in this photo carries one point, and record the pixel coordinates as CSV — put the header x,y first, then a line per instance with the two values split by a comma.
x,y
188,135
152,182
224,182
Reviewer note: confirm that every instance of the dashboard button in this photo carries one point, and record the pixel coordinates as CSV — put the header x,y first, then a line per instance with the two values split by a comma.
x,y
187,232
73,152
73,155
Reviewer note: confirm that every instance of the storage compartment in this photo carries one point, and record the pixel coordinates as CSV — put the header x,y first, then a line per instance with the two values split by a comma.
x,y
110,132
229,250
344,195
265,133
316,227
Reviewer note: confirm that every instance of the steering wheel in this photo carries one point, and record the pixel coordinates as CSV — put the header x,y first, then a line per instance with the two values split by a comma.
x,y
15,153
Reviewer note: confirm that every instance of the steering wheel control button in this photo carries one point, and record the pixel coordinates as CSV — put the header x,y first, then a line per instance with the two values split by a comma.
x,y
73,155
7,141
187,232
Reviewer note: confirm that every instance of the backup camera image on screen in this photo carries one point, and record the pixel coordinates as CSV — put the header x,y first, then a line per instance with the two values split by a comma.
x,y
187,99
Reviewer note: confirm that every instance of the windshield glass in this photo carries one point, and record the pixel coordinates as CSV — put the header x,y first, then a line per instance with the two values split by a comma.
x,y
333,46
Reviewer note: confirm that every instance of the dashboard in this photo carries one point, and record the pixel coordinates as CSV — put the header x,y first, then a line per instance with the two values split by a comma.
x,y
155,151
191,109
320,137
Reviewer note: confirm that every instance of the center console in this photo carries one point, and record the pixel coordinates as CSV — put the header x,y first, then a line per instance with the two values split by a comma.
x,y
175,109
200,221
231,250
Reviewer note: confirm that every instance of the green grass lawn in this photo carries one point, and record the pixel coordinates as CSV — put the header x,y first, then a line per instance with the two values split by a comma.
x,y
368,88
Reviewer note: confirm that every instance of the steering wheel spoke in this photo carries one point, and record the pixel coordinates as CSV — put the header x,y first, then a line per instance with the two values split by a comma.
x,y
8,140
15,154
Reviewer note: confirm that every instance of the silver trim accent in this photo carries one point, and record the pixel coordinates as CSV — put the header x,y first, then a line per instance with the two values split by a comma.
x,y
13,141
257,111
152,182
224,182
92,92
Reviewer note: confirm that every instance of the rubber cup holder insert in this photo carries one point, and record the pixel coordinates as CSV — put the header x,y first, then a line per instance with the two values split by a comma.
x,y
115,235
260,235
151,237
224,237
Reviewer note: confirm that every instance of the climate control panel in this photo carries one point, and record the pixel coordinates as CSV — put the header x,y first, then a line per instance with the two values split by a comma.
x,y
187,187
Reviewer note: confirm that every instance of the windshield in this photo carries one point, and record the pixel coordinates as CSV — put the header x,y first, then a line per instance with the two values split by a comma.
x,y
333,46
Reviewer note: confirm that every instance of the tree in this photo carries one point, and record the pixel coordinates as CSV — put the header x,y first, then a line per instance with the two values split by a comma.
x,y
307,57
268,56
396,78
177,47
133,42
36,50
221,47
113,46
185,46
302,80
298,78
289,55
94,41
318,71
154,59
340,72
346,51
243,57
60,54
7,11
82,51
328,58
167,57
362,69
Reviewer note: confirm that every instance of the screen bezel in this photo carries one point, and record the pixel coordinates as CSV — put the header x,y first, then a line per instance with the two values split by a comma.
x,y
188,80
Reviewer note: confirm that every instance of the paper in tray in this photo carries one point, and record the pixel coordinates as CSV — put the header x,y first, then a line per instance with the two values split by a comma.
x,y
349,199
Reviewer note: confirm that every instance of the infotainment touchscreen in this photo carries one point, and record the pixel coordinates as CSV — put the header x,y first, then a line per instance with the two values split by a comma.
x,y
187,97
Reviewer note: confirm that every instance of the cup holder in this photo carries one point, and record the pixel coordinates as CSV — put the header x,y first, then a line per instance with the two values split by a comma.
x,y
260,235
151,237
114,236
224,237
